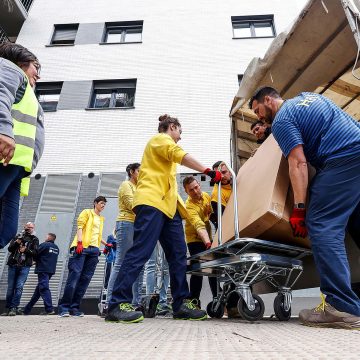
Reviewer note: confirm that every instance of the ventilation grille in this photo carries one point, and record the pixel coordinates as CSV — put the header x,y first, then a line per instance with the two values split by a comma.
x,y
109,184
60,193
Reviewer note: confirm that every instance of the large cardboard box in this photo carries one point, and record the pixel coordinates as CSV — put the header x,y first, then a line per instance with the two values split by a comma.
x,y
265,201
264,198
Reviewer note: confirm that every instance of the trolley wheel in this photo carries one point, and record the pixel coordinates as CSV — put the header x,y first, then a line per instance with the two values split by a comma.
x,y
251,315
218,314
279,310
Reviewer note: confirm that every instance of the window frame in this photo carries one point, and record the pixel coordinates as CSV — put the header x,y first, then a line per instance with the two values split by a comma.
x,y
252,19
123,27
48,88
59,27
113,86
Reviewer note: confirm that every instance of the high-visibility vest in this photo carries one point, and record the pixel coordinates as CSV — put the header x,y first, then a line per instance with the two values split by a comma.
x,y
24,115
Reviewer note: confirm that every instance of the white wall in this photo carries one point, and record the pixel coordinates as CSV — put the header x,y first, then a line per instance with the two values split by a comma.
x,y
187,66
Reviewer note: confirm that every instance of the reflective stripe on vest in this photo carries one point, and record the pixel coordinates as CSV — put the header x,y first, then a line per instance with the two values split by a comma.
x,y
24,115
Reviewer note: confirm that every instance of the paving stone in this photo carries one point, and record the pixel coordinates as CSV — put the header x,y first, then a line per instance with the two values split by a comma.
x,y
91,338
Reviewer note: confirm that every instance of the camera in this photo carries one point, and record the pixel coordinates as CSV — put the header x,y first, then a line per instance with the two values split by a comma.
x,y
20,236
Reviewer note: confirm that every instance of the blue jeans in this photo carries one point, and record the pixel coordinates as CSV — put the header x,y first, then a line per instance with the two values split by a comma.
x,y
81,270
151,274
150,226
334,196
17,276
42,289
10,180
124,241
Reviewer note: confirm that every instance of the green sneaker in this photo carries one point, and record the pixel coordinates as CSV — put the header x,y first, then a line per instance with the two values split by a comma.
x,y
124,313
189,311
163,310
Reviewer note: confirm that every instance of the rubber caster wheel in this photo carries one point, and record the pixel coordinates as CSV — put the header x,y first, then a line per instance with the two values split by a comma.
x,y
279,310
218,314
251,315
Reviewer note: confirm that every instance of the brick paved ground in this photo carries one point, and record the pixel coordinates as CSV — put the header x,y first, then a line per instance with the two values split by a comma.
x,y
38,337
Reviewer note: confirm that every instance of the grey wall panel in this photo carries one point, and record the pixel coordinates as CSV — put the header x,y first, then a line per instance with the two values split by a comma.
x,y
90,33
59,224
75,95
110,214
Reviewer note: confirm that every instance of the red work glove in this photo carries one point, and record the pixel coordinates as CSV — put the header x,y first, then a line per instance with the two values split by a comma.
x,y
297,222
79,248
215,175
208,245
107,248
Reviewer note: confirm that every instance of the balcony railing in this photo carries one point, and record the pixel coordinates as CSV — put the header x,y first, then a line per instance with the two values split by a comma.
x,y
3,36
27,4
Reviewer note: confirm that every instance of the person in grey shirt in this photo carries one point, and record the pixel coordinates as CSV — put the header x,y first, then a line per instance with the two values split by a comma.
x,y
22,135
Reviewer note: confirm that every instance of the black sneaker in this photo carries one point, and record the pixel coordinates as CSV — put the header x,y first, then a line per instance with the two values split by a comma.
x,y
12,312
44,313
124,313
189,311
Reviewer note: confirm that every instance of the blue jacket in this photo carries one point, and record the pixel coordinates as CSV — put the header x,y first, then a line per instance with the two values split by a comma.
x,y
47,257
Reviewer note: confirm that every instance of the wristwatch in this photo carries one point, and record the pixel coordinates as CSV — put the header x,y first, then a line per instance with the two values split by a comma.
x,y
299,206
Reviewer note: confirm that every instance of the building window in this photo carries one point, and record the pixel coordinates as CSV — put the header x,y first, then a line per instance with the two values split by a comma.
x,y
64,34
123,32
48,95
113,94
240,77
259,26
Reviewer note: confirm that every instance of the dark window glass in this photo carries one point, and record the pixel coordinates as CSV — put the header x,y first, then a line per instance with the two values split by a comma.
x,y
102,99
48,95
240,77
64,34
253,26
113,94
123,32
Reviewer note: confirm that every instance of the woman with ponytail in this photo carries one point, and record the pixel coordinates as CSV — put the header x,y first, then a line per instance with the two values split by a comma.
x,y
158,209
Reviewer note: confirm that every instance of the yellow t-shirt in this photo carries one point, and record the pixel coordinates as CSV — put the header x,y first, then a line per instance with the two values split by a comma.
x,y
94,241
198,217
157,185
85,222
126,198
225,193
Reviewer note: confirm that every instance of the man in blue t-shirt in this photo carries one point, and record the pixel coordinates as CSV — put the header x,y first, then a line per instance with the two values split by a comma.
x,y
311,128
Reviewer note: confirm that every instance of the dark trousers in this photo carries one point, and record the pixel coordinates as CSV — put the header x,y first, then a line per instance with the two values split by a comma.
x,y
334,197
42,290
195,280
81,270
17,276
150,226
10,180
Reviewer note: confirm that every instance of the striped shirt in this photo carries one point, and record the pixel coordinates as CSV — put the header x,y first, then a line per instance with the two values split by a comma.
x,y
325,131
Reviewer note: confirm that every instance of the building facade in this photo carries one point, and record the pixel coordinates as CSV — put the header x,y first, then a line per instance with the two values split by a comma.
x,y
154,57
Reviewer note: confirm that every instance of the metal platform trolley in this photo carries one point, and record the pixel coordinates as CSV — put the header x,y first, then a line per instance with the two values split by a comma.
x,y
243,262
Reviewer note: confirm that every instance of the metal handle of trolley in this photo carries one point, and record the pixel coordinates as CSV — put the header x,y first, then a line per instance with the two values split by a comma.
x,y
219,209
